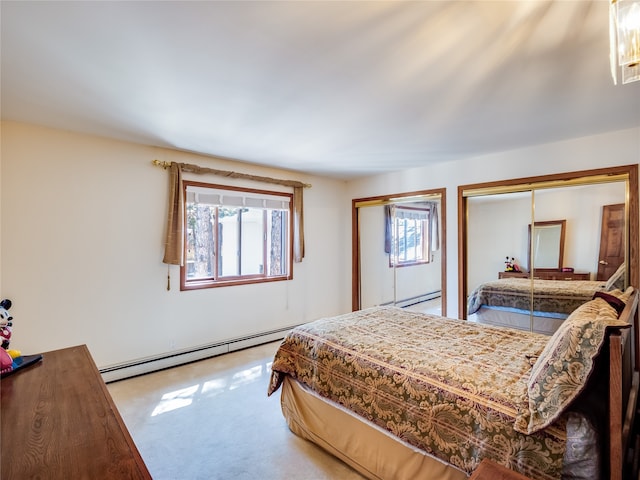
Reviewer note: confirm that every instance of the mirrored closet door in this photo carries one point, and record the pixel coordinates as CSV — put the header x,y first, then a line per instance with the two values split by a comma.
x,y
399,251
532,250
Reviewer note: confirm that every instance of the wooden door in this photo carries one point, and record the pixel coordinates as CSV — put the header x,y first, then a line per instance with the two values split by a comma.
x,y
611,240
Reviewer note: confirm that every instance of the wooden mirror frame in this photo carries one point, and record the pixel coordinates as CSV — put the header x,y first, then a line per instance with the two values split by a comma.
x,y
547,181
355,238
531,263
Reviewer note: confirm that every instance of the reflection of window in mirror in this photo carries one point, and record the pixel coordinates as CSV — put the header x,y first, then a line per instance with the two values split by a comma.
x,y
411,233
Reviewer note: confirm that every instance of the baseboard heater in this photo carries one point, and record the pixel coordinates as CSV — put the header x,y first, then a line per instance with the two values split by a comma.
x,y
173,359
425,297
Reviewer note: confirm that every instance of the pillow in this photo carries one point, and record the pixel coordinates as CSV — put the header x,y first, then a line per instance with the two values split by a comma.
x,y
617,304
624,296
617,279
561,371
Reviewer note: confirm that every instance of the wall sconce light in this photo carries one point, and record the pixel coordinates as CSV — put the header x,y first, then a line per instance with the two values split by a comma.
x,y
624,35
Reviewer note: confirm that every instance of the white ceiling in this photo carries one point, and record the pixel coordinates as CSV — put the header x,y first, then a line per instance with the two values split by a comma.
x,y
333,88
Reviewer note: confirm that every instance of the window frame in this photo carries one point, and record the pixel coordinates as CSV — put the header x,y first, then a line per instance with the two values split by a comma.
x,y
212,282
424,234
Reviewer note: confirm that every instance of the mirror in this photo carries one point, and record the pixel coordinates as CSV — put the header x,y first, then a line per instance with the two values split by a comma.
x,y
494,233
546,244
399,251
494,225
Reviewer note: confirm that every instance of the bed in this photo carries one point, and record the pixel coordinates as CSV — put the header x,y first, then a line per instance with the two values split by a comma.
x,y
509,301
399,394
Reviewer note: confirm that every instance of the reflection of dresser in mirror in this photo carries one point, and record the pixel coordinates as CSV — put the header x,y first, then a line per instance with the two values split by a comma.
x,y
548,275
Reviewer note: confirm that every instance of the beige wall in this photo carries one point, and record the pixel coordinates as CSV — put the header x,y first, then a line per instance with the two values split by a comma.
x,y
81,241
82,244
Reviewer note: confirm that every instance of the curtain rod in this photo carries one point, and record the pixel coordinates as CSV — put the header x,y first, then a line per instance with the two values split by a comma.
x,y
197,169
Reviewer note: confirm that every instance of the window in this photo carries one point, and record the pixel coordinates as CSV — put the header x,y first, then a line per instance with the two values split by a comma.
x,y
410,236
235,236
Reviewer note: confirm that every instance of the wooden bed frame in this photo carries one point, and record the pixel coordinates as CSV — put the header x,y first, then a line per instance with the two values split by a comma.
x,y
624,379
348,441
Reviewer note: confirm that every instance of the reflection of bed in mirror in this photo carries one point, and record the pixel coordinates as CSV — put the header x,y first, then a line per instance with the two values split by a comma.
x,y
510,302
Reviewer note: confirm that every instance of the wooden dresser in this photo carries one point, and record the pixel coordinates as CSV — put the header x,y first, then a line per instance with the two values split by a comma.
x,y
548,275
59,421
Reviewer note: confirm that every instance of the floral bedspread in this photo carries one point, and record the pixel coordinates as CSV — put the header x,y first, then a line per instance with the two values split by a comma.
x,y
556,296
448,387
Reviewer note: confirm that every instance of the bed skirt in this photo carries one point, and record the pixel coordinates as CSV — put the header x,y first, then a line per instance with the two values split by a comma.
x,y
340,433
511,318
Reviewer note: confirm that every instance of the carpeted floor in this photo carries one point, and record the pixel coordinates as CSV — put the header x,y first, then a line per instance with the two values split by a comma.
x,y
213,420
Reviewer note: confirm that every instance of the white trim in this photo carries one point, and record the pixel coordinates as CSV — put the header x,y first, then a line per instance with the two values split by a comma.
x,y
174,359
